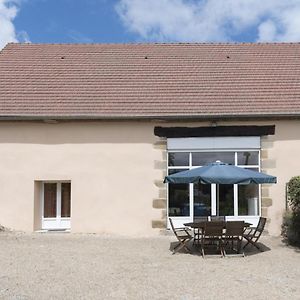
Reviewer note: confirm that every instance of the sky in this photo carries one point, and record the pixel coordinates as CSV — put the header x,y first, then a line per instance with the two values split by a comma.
x,y
136,21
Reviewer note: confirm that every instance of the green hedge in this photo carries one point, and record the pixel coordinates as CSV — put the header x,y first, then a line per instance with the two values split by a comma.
x,y
291,220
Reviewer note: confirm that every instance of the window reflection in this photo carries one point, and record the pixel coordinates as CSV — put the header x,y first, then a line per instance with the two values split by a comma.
x,y
179,200
179,197
203,158
202,199
50,200
248,158
65,200
225,205
248,199
178,159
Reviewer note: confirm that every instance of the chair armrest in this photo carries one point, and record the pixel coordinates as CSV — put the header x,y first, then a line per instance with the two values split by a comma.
x,y
183,229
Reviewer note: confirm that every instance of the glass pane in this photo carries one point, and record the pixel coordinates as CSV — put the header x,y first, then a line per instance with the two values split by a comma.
x,y
50,200
248,199
173,171
203,158
65,200
179,159
202,199
179,200
226,202
248,158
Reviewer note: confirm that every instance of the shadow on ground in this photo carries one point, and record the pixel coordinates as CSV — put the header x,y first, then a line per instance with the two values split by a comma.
x,y
213,251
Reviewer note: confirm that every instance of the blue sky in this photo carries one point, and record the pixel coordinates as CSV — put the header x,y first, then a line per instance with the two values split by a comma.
x,y
123,21
69,21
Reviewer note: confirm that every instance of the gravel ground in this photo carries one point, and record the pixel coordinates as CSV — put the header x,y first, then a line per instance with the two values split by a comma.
x,y
82,266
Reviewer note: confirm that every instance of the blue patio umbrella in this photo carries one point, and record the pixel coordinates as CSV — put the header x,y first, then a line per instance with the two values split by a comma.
x,y
220,173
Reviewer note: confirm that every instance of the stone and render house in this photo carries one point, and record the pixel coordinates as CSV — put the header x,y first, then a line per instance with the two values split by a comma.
x,y
88,132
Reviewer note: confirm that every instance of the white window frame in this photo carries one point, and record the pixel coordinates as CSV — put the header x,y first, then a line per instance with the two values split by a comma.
x,y
57,223
178,221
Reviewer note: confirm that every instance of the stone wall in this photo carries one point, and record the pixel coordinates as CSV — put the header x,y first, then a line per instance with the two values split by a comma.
x,y
160,203
267,166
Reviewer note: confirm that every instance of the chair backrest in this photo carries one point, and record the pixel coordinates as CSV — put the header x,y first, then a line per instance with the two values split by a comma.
x,y
235,228
213,228
172,226
261,224
200,219
260,227
217,218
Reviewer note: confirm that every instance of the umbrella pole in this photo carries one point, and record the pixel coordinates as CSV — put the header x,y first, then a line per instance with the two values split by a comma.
x,y
218,200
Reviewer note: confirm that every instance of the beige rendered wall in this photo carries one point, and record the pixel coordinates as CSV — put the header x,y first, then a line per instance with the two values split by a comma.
x,y
110,165
116,169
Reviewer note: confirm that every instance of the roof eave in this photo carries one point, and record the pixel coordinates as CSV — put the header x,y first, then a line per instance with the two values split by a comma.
x,y
215,117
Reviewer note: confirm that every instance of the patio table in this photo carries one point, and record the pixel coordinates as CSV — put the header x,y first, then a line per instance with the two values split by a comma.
x,y
201,224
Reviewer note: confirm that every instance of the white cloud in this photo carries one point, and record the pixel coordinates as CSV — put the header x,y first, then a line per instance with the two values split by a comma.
x,y
8,12
267,31
211,20
79,37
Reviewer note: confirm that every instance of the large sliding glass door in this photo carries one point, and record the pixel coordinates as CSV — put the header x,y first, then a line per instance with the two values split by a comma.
x,y
186,201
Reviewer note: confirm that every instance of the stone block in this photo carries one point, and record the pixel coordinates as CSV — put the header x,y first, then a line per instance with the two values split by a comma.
x,y
264,212
266,144
164,155
264,154
159,203
160,165
264,191
159,224
161,145
266,202
267,138
159,183
268,163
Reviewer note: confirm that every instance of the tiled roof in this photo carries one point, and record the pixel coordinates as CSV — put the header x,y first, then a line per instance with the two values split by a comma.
x,y
149,80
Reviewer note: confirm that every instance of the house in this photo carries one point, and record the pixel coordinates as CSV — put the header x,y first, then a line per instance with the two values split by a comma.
x,y
88,132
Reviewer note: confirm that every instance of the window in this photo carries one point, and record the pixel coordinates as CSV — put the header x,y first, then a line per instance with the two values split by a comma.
x,y
56,205
200,199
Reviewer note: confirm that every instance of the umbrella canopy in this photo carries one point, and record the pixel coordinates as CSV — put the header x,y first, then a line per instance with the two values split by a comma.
x,y
220,173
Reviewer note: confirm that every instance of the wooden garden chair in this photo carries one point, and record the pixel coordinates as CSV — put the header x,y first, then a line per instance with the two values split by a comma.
x,y
252,236
234,235
217,218
212,236
198,231
183,236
